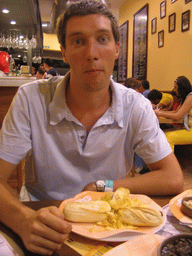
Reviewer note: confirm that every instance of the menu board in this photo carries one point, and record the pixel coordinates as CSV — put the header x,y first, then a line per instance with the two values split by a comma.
x,y
122,60
140,41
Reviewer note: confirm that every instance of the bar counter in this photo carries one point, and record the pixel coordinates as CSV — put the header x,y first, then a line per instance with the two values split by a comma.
x,y
15,81
17,244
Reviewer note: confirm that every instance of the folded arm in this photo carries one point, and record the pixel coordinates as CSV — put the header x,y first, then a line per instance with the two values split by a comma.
x,y
165,178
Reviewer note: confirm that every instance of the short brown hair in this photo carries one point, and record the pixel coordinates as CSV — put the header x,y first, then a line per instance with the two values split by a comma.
x,y
132,83
83,8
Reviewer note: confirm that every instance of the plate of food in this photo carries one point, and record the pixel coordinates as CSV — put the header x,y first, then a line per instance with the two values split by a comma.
x,y
115,217
175,206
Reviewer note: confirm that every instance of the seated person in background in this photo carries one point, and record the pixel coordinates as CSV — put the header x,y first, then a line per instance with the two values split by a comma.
x,y
172,107
160,99
182,87
132,83
144,88
81,128
48,64
138,162
41,66
176,103
40,74
33,71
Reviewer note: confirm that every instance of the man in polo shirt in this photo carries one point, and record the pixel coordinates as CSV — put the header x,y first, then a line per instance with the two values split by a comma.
x,y
81,128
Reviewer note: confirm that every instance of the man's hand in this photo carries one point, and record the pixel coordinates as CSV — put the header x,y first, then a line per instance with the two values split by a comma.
x,y
45,230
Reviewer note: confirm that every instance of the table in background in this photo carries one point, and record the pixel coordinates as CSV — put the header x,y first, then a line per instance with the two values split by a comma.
x,y
163,120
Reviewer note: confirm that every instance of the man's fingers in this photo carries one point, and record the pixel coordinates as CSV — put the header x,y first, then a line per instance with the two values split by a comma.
x,y
52,217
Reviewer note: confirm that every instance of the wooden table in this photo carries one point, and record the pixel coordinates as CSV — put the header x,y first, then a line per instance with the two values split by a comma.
x,y
163,120
65,250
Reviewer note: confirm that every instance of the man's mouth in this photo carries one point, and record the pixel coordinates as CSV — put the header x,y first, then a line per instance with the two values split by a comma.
x,y
93,71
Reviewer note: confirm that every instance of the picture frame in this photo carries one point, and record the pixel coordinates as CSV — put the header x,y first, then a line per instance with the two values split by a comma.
x,y
140,43
123,53
173,1
161,38
185,21
172,22
187,1
162,9
153,25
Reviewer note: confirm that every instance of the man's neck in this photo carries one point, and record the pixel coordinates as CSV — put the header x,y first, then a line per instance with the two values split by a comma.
x,y
88,107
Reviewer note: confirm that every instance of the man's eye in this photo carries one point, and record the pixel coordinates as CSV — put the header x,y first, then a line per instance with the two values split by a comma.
x,y
77,41
103,39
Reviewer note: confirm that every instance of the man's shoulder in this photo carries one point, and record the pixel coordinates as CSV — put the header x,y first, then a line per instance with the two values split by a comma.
x,y
41,86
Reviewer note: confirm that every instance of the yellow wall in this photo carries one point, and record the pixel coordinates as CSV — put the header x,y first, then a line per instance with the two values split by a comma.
x,y
164,64
50,42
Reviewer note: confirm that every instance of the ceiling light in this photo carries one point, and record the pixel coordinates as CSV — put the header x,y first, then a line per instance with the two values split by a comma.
x,y
5,11
13,22
44,24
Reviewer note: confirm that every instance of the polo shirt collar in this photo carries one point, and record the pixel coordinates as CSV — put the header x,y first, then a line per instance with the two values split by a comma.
x,y
59,110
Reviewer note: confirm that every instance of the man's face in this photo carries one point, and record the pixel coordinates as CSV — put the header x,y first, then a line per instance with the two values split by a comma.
x,y
39,76
155,102
90,51
141,89
45,66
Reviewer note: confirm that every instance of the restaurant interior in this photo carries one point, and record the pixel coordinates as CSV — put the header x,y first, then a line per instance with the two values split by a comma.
x,y
156,38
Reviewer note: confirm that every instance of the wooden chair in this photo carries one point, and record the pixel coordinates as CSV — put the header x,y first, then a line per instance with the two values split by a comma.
x,y
17,178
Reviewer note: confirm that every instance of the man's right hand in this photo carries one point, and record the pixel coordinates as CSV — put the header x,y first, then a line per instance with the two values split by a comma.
x,y
44,231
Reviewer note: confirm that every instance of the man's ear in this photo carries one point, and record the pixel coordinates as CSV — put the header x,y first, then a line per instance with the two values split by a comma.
x,y
117,45
63,51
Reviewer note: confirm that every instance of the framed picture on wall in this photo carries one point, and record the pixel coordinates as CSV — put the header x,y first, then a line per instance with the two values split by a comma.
x,y
140,43
153,25
172,22
123,52
162,9
161,38
187,1
185,21
173,1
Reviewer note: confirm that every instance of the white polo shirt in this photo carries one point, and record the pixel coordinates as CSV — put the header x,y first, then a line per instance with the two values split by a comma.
x,y
65,157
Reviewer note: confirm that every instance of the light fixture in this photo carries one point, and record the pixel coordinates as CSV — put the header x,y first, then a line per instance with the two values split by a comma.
x,y
44,24
5,11
13,22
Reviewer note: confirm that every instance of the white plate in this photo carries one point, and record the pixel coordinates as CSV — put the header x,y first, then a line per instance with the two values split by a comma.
x,y
116,235
175,207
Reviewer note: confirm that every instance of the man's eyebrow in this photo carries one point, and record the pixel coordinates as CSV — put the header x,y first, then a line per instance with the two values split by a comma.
x,y
74,34
77,33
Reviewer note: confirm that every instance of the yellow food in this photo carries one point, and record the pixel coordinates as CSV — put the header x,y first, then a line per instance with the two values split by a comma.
x,y
120,212
140,216
90,211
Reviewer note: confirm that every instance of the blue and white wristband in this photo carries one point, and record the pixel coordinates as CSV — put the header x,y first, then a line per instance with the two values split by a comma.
x,y
108,185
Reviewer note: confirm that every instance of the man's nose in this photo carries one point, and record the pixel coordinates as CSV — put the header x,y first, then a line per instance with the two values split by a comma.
x,y
92,50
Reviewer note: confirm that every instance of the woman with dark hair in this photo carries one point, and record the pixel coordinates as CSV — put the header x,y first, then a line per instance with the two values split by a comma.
x,y
183,89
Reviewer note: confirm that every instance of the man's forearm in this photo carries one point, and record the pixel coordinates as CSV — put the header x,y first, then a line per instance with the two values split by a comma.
x,y
12,211
151,184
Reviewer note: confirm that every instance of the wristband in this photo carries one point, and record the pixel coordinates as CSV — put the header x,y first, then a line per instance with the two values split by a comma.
x,y
108,185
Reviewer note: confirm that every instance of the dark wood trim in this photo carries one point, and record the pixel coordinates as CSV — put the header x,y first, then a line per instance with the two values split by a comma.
x,y
137,68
